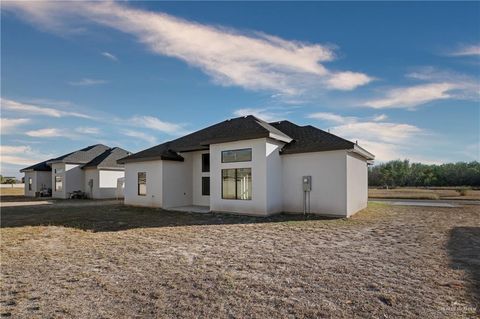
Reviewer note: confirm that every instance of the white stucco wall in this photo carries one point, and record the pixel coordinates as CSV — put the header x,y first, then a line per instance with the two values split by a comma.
x,y
58,169
328,171
198,198
154,183
91,173
258,204
75,178
28,175
357,183
274,177
177,182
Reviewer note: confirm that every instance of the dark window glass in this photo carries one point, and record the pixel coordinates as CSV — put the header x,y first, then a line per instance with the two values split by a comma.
x,y
237,183
206,186
142,183
243,155
205,162
30,183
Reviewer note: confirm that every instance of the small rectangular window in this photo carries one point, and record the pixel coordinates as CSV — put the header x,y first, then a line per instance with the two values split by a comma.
x,y
237,183
243,155
206,186
142,183
58,183
205,163
30,183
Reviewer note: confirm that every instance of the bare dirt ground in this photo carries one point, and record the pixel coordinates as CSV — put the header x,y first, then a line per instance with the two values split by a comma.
x,y
123,262
424,193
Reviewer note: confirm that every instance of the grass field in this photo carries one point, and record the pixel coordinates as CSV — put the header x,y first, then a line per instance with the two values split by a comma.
x,y
123,262
423,193
12,191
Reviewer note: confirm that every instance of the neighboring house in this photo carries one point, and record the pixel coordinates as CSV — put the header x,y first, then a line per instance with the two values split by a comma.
x,y
93,170
248,166
38,177
102,174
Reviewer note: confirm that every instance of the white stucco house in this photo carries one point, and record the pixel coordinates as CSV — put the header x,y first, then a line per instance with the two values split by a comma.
x,y
93,170
247,166
38,177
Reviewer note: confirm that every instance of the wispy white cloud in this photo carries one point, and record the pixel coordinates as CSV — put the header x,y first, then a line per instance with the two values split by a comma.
x,y
87,82
466,50
409,97
254,60
31,109
331,117
87,130
140,135
21,155
8,125
440,85
386,140
110,56
156,124
266,114
380,117
45,132
347,81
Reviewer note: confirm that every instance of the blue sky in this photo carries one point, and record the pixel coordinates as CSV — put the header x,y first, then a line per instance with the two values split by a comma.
x,y
401,78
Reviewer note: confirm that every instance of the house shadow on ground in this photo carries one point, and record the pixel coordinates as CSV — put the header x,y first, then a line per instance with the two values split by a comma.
x,y
119,217
464,251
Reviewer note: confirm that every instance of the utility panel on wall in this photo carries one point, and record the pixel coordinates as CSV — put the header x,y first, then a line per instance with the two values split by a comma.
x,y
307,183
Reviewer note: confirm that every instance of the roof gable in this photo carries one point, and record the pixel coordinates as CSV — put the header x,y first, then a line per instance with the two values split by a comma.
x,y
81,156
310,139
240,128
108,159
298,139
42,166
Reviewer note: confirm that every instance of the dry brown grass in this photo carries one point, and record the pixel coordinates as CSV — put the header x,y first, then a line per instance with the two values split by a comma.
x,y
423,193
122,262
16,191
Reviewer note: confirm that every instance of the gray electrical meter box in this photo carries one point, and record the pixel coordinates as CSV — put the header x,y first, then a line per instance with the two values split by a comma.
x,y
307,183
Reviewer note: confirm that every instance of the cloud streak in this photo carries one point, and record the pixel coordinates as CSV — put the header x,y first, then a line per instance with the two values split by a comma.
x,y
8,125
467,50
21,155
110,56
140,135
32,109
254,61
408,97
156,124
386,140
87,82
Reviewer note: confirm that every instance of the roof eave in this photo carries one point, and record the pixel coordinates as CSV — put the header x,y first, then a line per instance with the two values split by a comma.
x,y
362,152
280,138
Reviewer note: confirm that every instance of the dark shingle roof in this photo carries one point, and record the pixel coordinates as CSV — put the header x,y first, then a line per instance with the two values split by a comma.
x,y
299,139
108,159
82,156
42,166
240,128
310,139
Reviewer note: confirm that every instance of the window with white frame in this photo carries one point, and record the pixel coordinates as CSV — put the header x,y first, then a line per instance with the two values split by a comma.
x,y
30,182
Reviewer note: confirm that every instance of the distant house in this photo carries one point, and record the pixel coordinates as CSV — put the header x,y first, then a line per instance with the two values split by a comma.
x,y
248,166
38,177
93,170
